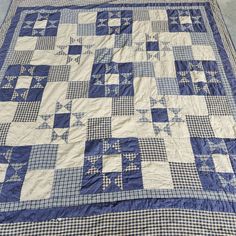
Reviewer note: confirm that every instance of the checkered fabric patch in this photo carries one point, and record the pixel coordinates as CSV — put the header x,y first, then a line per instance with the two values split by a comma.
x,y
122,106
27,112
67,182
141,15
123,40
59,73
160,26
218,106
4,127
43,157
22,57
152,149
143,69
185,176
167,86
183,53
77,89
103,55
86,30
46,43
199,126
99,128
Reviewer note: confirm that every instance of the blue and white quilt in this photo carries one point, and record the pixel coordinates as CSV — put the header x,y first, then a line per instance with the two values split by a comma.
x,y
117,118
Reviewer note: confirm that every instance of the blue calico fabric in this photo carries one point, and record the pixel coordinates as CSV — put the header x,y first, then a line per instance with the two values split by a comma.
x,y
117,118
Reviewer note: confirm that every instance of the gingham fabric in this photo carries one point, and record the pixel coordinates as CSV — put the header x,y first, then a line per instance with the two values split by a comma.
x,y
117,118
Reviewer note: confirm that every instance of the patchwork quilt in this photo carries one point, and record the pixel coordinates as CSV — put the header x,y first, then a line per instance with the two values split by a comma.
x,y
117,118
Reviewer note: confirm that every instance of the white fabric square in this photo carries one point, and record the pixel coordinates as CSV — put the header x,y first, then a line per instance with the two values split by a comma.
x,y
114,22
112,163
8,110
156,175
112,79
222,163
37,185
70,155
198,76
3,171
40,24
158,15
179,150
203,53
185,20
25,43
23,82
223,126
87,17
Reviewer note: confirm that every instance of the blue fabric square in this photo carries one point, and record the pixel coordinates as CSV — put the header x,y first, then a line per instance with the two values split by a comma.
x,y
132,180
11,191
6,94
96,91
152,46
91,184
103,28
62,120
35,94
13,70
93,147
175,25
20,154
41,70
210,181
129,178
75,49
200,146
159,115
231,146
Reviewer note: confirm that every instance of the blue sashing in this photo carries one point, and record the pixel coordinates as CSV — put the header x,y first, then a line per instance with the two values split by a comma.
x,y
96,180
102,83
199,78
40,24
185,21
114,22
24,83
211,179
15,160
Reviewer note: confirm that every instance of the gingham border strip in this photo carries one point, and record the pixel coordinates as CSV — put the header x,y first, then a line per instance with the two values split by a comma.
x,y
171,222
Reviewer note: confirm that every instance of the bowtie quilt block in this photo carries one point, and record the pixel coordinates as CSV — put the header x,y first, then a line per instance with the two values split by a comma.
x,y
109,104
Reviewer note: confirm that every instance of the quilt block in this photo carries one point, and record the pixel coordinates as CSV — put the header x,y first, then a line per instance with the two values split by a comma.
x,y
117,112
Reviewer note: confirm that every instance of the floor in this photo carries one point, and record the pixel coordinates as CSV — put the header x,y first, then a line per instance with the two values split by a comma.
x,y
228,8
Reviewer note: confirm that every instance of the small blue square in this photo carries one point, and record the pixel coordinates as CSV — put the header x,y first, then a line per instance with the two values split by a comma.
x,y
210,181
6,94
75,49
91,184
132,180
11,191
152,46
35,94
93,147
231,146
159,115
200,146
62,120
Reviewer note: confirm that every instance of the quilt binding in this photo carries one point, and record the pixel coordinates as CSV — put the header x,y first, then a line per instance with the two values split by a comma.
x,y
224,32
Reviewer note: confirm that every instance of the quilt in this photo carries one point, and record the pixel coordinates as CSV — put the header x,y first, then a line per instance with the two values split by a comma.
x,y
117,118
